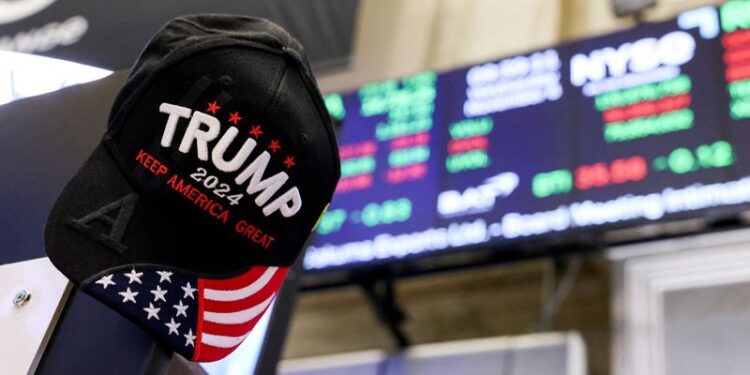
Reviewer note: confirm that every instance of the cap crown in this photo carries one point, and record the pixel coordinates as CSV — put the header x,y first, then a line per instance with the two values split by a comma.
x,y
222,124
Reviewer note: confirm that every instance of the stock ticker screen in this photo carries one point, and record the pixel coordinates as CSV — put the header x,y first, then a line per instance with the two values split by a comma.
x,y
644,125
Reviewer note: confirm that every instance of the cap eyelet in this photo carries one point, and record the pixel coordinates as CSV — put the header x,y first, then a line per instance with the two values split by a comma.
x,y
226,81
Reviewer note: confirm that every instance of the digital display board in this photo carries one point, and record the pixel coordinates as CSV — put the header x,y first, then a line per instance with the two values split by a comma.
x,y
639,126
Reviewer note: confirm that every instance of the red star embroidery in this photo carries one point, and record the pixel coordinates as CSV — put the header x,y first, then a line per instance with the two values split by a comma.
x,y
213,107
255,131
275,146
289,162
234,118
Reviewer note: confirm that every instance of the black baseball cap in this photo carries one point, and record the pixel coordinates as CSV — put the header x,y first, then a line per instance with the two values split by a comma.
x,y
218,160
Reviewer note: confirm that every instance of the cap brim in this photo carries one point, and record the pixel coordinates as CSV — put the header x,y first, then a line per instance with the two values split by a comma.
x,y
216,316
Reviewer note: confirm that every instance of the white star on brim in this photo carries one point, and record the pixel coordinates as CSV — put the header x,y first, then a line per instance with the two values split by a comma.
x,y
134,276
105,281
189,338
159,294
164,275
172,325
188,290
128,295
153,312
181,309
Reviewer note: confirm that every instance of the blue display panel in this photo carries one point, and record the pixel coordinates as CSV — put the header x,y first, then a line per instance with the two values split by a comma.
x,y
649,121
633,127
505,124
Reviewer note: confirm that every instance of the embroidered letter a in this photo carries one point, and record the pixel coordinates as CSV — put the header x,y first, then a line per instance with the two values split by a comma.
x,y
110,230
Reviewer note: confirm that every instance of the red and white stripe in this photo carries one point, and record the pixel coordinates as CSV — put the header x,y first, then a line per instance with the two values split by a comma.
x,y
230,308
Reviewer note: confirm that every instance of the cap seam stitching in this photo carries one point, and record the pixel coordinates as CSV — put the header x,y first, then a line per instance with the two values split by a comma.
x,y
239,35
310,85
174,57
276,92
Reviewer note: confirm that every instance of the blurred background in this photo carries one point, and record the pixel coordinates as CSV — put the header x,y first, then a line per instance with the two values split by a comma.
x,y
528,186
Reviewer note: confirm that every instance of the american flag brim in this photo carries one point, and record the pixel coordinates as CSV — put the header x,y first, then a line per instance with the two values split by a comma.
x,y
229,309
203,319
